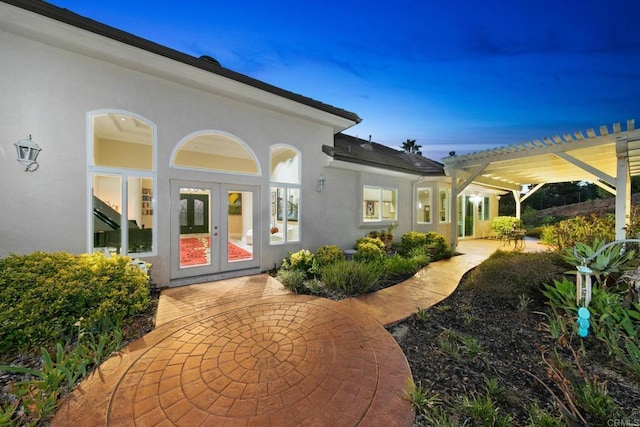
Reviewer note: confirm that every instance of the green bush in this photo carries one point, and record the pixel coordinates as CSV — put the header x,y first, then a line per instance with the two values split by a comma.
x,y
535,232
502,225
301,260
529,216
413,239
583,229
511,274
434,244
351,277
370,240
437,246
397,265
547,235
328,254
369,252
292,279
420,255
43,295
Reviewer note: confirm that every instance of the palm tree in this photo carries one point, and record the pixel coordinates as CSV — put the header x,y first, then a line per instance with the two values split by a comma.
x,y
410,146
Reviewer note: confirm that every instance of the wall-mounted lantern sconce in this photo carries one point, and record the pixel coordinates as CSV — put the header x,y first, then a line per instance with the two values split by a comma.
x,y
320,184
28,153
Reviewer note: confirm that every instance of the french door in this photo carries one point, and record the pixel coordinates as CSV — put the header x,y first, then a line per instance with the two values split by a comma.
x,y
466,210
212,228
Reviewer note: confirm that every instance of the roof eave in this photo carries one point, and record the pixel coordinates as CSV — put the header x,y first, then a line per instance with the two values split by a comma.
x,y
66,16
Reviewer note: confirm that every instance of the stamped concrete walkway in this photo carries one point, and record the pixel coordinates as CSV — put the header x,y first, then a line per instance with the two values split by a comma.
x,y
245,352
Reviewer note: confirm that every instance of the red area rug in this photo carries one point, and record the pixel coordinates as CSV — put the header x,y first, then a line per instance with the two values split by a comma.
x,y
236,253
195,251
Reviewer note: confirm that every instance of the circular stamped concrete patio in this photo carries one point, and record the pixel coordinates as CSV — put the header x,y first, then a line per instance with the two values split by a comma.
x,y
285,360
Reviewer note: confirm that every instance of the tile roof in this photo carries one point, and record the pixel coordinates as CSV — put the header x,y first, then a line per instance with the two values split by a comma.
x,y
360,151
205,62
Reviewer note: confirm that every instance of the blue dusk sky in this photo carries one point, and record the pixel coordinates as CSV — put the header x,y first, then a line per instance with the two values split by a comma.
x,y
458,76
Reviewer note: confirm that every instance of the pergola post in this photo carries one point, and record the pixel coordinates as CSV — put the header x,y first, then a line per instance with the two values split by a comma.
x,y
516,197
453,211
623,188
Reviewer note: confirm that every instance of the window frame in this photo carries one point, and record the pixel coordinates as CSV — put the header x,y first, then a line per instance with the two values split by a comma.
x,y
124,174
287,188
380,203
444,208
420,210
484,208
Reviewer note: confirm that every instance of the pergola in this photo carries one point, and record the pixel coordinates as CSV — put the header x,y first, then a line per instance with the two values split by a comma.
x,y
607,158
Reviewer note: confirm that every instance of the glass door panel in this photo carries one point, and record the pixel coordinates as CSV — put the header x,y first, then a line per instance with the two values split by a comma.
x,y
107,213
140,209
213,228
465,216
239,226
469,216
195,247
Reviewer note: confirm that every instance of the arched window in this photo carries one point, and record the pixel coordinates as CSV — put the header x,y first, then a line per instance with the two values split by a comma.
x,y
123,175
285,195
215,151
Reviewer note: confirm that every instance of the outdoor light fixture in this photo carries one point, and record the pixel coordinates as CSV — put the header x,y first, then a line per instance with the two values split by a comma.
x,y
320,184
28,153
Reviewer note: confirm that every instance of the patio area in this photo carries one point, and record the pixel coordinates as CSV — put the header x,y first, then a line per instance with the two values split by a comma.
x,y
245,352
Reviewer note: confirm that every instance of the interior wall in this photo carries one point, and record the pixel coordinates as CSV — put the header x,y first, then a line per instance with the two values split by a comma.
x,y
214,162
109,152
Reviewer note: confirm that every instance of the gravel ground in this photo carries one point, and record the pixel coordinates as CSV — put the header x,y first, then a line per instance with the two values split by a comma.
x,y
512,341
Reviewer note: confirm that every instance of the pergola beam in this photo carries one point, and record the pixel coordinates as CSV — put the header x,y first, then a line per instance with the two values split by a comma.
x,y
588,168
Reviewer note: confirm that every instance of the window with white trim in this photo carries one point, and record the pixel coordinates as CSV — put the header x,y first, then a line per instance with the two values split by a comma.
x,y
379,204
285,193
122,176
443,205
483,208
423,205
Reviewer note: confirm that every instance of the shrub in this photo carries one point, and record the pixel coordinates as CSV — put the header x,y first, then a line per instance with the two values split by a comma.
x,y
369,252
583,229
535,232
328,254
511,274
502,225
292,279
547,236
351,277
606,265
301,260
529,216
396,265
437,246
413,239
42,296
434,244
370,240
420,255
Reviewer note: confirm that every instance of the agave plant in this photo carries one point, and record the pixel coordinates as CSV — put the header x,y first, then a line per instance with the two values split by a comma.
x,y
601,257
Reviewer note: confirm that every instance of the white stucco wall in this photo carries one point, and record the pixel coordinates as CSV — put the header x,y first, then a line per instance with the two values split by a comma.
x,y
54,76
49,91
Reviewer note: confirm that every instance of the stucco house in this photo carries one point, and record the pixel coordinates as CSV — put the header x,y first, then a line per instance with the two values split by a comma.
x,y
201,171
